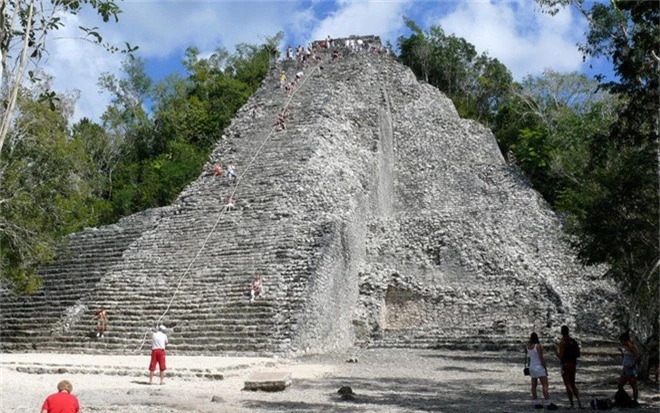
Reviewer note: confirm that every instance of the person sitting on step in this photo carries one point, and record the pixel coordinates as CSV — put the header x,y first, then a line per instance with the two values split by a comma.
x,y
290,88
257,286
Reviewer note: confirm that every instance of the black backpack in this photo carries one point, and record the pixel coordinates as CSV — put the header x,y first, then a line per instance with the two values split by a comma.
x,y
572,350
623,399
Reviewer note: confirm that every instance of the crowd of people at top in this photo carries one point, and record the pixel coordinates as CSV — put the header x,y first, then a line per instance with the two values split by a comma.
x,y
340,48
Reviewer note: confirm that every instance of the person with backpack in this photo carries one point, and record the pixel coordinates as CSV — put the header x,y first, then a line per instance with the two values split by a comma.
x,y
568,352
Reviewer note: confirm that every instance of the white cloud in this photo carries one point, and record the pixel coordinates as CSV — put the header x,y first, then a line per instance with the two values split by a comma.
x,y
76,64
359,17
525,40
161,30
522,38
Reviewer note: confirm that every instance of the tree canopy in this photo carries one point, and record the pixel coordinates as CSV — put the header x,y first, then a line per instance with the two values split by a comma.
x,y
476,83
56,179
26,26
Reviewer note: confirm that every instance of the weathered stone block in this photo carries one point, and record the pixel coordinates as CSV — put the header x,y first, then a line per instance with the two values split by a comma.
x,y
268,381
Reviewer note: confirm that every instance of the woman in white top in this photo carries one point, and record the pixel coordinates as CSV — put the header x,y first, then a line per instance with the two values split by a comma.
x,y
538,371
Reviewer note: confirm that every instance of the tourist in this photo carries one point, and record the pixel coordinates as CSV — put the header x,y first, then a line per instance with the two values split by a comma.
x,y
217,170
538,371
568,352
631,357
282,79
158,343
62,401
288,88
279,123
230,203
231,172
101,318
257,286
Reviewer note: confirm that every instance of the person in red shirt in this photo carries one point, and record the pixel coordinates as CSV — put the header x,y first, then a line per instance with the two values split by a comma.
x,y
62,401
217,170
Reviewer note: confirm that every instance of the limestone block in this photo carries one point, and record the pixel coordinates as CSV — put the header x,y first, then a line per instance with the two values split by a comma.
x,y
268,381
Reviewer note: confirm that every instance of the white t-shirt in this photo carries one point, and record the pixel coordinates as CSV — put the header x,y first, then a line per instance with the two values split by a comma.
x,y
534,358
159,341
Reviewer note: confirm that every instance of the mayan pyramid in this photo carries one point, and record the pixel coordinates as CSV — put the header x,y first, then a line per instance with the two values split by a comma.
x,y
379,217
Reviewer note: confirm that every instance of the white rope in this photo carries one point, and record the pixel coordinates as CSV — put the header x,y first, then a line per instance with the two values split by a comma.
x,y
231,196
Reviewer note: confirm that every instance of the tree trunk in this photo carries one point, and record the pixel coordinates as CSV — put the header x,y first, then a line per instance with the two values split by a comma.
x,y
13,96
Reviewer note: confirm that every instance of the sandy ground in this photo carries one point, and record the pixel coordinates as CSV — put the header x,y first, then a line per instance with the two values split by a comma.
x,y
382,380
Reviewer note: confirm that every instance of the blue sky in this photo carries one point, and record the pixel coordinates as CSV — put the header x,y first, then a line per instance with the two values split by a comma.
x,y
514,31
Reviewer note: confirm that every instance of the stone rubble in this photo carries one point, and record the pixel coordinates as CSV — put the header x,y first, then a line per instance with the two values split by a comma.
x,y
378,218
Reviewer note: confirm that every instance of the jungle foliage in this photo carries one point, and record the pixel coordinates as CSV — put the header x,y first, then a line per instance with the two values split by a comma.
x,y
153,140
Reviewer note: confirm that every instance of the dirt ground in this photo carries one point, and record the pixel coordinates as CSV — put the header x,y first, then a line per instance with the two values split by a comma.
x,y
382,381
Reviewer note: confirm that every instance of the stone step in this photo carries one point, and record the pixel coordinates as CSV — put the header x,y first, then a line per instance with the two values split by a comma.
x,y
254,349
178,372
126,318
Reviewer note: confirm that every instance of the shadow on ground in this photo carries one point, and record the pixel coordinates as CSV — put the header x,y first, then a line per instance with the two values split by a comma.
x,y
399,394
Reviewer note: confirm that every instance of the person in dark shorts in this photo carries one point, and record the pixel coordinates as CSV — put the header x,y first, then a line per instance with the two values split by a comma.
x,y
568,358
631,357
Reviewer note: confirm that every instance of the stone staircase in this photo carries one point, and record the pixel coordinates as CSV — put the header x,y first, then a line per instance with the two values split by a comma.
x,y
378,217
84,259
208,311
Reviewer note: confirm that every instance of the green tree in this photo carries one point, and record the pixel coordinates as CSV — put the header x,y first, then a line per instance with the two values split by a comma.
x,y
616,215
476,83
546,124
165,148
44,190
26,25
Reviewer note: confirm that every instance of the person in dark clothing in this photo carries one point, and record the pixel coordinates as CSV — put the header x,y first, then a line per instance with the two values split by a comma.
x,y
568,358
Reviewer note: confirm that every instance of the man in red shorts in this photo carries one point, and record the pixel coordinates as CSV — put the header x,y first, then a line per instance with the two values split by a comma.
x,y
568,352
158,343
62,401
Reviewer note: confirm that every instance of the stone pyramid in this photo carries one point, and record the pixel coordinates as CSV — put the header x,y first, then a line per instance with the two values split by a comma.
x,y
379,217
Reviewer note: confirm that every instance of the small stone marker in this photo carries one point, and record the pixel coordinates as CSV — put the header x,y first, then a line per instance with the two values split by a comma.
x,y
268,381
346,393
